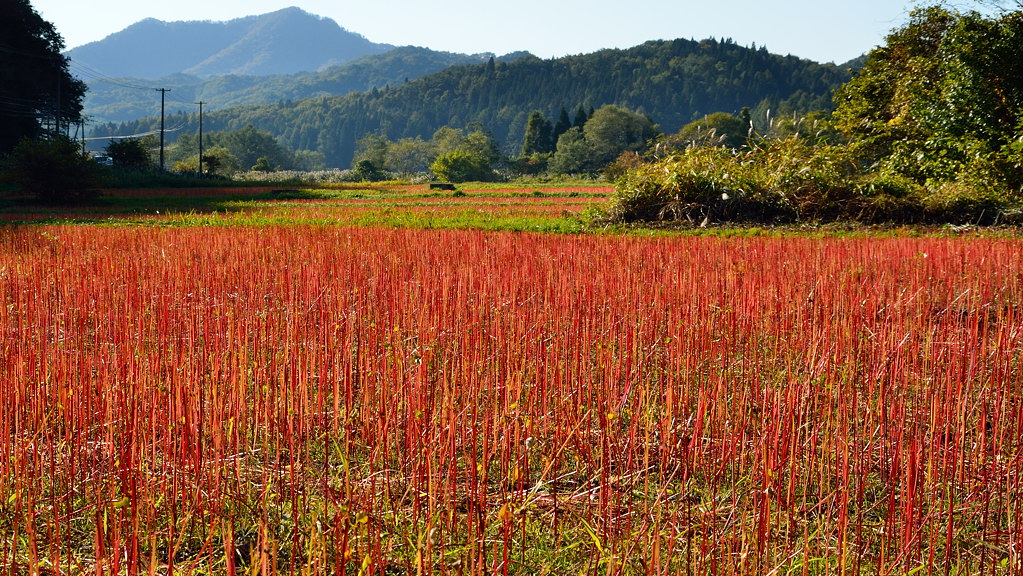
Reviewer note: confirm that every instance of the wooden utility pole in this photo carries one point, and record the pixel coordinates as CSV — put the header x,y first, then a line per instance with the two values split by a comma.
x,y
163,100
200,138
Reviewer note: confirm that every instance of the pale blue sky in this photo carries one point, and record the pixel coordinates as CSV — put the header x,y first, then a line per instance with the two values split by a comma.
x,y
822,30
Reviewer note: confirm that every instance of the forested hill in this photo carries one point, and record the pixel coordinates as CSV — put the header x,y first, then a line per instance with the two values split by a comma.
x,y
123,100
673,82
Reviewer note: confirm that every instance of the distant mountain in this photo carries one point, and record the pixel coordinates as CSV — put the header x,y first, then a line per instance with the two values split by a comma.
x,y
124,99
673,82
282,42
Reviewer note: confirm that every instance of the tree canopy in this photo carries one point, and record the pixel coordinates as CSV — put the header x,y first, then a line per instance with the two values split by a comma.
x,y
539,138
37,92
243,149
930,130
942,99
674,82
130,153
717,129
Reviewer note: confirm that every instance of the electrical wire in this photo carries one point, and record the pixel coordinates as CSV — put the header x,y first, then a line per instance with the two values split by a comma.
x,y
22,108
177,128
91,73
11,106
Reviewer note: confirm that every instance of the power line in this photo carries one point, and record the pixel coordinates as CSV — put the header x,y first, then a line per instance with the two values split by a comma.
x,y
177,128
98,76
12,106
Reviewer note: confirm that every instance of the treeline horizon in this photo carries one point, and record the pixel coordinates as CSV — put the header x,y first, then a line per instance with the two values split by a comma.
x,y
671,82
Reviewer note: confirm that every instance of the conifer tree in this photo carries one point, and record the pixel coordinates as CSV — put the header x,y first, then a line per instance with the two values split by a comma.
x,y
561,126
538,135
581,117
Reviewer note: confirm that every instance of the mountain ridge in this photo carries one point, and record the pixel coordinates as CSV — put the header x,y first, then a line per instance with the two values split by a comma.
x,y
286,41
121,100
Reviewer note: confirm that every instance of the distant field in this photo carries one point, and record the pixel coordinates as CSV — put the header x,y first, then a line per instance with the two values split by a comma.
x,y
311,382
492,208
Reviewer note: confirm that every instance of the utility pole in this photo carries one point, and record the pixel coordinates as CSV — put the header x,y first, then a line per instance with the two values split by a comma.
x,y
200,138
163,100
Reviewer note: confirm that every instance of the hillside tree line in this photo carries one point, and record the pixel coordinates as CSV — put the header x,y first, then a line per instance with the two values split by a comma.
x,y
673,82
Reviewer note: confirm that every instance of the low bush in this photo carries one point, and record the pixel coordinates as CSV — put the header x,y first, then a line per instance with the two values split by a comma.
x,y
786,181
53,171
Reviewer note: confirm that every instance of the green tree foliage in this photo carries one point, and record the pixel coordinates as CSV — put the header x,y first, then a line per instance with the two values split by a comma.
x,y
408,156
608,132
446,139
309,160
371,148
262,165
574,154
367,171
612,130
941,101
934,133
250,144
717,129
461,157
539,135
216,161
674,82
245,147
461,165
561,126
130,153
481,142
37,91
580,117
54,170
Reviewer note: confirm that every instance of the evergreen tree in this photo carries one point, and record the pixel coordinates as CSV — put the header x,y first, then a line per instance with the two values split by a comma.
x,y
37,92
581,117
538,135
562,125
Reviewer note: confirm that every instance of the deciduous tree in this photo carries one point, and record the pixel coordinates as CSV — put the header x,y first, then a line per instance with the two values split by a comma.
x,y
130,153
718,129
408,156
612,130
53,170
574,155
941,100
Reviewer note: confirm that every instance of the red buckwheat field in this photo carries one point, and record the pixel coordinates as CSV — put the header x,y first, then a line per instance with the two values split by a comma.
x,y
337,400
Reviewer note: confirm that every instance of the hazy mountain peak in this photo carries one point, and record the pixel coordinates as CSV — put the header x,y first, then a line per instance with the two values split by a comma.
x,y
286,41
